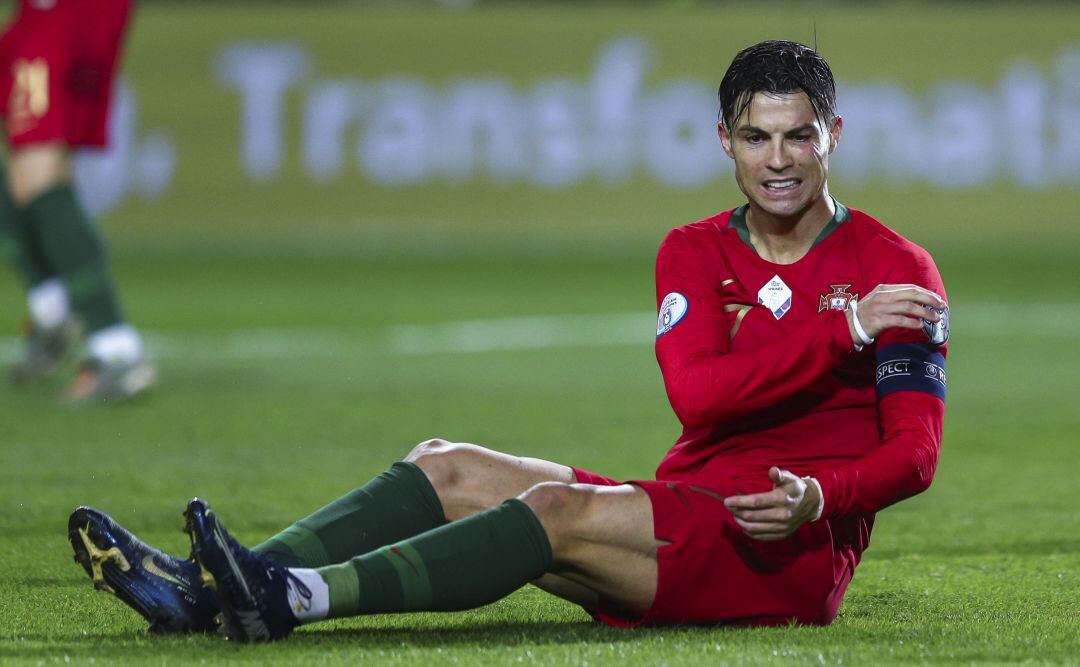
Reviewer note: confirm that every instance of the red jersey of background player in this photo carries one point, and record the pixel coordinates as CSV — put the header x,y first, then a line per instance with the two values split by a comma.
x,y
58,59
760,368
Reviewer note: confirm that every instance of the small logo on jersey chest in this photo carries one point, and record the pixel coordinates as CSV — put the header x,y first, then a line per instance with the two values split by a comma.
x,y
776,296
837,299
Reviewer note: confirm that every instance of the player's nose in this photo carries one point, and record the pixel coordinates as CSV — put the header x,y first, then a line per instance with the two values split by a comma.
x,y
778,158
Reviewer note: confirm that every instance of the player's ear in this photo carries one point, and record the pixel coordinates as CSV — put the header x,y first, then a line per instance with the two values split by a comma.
x,y
725,139
835,130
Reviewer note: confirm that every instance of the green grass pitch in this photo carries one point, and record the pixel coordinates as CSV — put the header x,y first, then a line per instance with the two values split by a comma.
x,y
308,336
268,421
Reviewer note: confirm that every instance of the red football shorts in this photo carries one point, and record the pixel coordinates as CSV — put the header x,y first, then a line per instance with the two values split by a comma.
x,y
711,572
57,63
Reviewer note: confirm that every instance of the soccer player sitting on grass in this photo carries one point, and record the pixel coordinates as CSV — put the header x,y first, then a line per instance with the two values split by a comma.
x,y
802,345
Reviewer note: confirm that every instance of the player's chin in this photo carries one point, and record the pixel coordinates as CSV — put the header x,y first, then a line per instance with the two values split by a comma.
x,y
780,205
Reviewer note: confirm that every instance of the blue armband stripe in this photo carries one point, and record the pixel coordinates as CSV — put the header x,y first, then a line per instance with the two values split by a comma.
x,y
910,367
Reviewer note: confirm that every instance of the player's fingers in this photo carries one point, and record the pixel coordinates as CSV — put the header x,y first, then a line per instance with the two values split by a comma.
x,y
899,287
776,475
901,322
881,322
919,295
774,498
932,298
785,477
769,537
914,310
926,298
888,291
755,528
907,292
772,514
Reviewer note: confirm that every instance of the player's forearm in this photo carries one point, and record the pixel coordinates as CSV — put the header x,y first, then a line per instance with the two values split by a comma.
x,y
903,466
711,387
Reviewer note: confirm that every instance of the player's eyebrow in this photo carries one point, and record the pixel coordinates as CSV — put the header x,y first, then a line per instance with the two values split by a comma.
x,y
747,130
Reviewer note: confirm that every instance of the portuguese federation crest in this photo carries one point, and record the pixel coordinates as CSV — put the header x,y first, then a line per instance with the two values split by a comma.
x,y
838,299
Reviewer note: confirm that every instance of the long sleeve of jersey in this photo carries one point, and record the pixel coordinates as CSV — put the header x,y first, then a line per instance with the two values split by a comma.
x,y
911,410
706,382
901,467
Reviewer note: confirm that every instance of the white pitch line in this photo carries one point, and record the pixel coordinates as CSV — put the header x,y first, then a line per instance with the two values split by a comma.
x,y
458,337
983,320
522,333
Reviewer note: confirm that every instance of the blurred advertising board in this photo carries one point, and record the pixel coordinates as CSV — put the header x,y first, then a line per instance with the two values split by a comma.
x,y
382,119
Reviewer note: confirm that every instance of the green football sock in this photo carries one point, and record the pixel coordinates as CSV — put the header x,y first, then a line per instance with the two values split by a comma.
x,y
71,242
461,565
397,504
17,242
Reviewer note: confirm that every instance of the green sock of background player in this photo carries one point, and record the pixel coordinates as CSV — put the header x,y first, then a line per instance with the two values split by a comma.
x,y
70,241
395,505
18,245
461,565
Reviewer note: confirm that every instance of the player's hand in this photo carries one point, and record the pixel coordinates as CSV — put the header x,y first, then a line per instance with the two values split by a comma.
x,y
894,307
775,514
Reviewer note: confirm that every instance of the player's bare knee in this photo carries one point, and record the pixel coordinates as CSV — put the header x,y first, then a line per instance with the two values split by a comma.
x,y
429,448
25,188
465,476
435,458
559,507
454,469
36,169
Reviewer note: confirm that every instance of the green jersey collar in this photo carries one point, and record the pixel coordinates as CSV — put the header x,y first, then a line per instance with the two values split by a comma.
x,y
738,222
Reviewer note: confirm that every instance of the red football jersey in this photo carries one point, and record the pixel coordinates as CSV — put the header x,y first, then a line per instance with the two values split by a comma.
x,y
58,61
761,370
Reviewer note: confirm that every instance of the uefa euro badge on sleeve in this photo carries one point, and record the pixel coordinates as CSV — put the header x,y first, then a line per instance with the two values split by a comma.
x,y
672,309
937,332
776,296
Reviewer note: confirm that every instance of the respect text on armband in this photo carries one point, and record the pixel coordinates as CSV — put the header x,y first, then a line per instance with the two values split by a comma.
x,y
910,367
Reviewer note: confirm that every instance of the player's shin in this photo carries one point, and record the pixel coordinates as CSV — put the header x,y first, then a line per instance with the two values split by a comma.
x,y
461,565
19,246
72,244
395,505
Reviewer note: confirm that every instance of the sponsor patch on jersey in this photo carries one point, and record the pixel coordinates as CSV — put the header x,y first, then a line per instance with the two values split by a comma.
x,y
937,332
776,296
673,308
837,299
911,367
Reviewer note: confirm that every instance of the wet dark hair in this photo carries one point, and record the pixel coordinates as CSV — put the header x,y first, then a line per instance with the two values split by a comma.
x,y
777,67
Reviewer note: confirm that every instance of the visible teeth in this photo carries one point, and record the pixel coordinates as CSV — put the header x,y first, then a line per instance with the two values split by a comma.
x,y
776,185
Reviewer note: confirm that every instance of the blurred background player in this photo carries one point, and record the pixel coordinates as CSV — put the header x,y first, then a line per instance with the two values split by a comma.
x,y
57,62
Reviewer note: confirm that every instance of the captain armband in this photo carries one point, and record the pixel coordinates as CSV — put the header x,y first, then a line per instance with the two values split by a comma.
x,y
910,367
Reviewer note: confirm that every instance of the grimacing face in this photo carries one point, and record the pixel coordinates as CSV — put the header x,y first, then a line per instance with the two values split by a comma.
x,y
781,153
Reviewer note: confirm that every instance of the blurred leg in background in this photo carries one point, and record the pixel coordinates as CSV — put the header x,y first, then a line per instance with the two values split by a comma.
x,y
59,65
